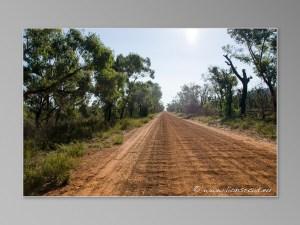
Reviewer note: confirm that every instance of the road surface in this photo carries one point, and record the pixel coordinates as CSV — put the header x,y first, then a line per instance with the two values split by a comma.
x,y
170,156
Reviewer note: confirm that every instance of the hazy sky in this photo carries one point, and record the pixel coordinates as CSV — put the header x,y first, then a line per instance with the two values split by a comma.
x,y
178,56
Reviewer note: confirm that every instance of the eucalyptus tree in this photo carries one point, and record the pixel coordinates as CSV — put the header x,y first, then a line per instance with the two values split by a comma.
x,y
59,66
224,82
261,52
52,72
134,67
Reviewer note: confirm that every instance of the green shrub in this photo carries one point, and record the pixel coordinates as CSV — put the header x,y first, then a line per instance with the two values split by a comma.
x,y
117,139
267,130
43,172
145,120
245,125
33,180
55,169
72,150
125,124
130,123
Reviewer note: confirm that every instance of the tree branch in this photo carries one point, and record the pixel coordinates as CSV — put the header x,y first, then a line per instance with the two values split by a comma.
x,y
229,63
53,85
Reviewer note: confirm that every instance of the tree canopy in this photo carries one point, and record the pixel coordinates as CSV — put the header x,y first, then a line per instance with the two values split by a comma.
x,y
69,74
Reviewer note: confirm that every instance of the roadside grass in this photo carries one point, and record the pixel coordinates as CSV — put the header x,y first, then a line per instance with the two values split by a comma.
x,y
115,134
118,139
46,170
262,128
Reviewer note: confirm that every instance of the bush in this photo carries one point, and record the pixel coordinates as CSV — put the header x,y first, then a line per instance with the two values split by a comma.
x,y
52,171
267,130
44,171
72,150
245,125
117,139
264,128
56,169
125,124
129,123
33,180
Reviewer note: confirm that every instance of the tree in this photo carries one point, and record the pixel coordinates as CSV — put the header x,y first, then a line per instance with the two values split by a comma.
x,y
134,67
224,82
146,98
58,70
188,99
109,88
244,80
53,74
261,45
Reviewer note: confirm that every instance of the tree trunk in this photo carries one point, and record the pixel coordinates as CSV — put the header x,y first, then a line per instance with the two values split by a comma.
x,y
243,99
122,112
228,110
131,108
274,100
108,112
37,118
272,91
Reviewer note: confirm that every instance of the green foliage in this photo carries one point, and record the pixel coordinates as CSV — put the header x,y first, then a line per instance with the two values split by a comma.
x,y
134,66
261,52
33,180
129,123
125,124
72,150
44,171
74,88
190,99
118,139
138,98
262,128
55,169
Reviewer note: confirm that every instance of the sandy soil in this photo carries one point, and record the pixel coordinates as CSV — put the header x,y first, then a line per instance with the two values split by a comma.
x,y
170,156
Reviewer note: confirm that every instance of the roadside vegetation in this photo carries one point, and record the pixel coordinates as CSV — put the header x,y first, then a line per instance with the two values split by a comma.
x,y
75,90
225,99
250,125
46,170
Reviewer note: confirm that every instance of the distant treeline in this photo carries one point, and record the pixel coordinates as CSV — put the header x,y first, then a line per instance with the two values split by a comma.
x,y
75,86
220,95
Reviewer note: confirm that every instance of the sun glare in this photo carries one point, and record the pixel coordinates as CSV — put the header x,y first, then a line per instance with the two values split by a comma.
x,y
191,35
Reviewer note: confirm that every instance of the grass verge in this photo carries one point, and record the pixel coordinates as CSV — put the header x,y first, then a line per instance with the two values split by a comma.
x,y
261,128
44,171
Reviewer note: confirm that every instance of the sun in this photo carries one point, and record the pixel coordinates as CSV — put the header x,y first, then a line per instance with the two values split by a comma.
x,y
191,35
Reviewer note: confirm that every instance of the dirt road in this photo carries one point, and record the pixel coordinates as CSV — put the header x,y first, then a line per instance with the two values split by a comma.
x,y
175,157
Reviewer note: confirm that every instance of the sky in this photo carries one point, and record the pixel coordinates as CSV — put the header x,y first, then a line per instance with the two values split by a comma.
x,y
178,55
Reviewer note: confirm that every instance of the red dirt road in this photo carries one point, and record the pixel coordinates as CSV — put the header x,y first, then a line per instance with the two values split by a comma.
x,y
170,156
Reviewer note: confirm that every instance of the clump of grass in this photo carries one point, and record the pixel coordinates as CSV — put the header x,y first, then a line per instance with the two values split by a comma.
x,y
125,124
151,116
145,120
44,171
55,169
262,128
33,180
72,150
129,123
114,135
117,139
267,130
